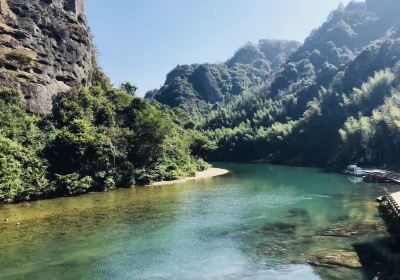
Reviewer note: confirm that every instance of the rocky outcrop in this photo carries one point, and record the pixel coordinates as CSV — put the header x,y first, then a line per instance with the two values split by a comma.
x,y
197,85
206,84
45,49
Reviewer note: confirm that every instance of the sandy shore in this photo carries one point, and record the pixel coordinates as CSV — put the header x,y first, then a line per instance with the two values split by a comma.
x,y
209,173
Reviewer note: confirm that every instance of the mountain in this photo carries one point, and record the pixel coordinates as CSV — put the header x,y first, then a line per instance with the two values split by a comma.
x,y
196,87
45,49
333,102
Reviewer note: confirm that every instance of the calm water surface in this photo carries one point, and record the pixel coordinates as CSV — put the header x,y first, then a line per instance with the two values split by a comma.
x,y
259,222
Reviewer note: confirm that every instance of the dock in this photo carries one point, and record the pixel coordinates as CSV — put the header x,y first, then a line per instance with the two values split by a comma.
x,y
382,177
389,209
391,201
395,201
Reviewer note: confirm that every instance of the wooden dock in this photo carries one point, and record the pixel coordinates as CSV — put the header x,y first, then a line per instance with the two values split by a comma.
x,y
396,201
389,209
393,201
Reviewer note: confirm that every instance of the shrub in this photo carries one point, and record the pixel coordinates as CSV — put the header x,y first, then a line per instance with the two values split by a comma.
x,y
22,173
22,58
73,184
10,95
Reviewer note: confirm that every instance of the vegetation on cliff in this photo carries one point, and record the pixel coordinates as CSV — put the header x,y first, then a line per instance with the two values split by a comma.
x,y
97,138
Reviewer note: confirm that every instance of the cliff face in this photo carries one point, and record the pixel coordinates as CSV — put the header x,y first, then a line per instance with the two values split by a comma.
x,y
45,48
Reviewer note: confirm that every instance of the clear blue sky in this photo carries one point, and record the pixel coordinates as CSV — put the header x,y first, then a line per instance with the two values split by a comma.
x,y
140,41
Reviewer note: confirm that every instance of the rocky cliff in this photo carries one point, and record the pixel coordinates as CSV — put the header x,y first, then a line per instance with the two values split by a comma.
x,y
45,49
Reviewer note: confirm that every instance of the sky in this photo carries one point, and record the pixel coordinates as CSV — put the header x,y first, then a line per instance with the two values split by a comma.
x,y
140,41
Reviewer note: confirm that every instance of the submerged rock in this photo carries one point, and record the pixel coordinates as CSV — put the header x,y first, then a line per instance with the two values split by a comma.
x,y
298,212
350,229
337,259
279,228
271,250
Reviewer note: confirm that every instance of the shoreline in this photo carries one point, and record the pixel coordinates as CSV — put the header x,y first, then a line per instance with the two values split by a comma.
x,y
206,174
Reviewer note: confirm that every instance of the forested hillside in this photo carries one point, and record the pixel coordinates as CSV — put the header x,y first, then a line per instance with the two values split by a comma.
x,y
198,88
334,101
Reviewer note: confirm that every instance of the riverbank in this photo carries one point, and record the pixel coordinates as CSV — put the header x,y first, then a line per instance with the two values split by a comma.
x,y
209,173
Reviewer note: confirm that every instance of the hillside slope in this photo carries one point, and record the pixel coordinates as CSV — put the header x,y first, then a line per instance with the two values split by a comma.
x,y
334,101
197,87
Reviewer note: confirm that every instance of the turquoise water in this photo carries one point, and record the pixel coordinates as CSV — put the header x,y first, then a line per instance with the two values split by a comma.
x,y
259,222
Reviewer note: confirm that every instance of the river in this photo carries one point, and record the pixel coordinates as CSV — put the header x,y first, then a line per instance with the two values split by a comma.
x,y
258,222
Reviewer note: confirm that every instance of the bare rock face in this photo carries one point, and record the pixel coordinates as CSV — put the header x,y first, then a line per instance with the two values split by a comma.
x,y
45,49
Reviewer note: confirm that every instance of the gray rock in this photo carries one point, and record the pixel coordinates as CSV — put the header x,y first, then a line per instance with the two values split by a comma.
x,y
45,49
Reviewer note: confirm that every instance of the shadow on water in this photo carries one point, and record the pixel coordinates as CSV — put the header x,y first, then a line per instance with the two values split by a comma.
x,y
380,257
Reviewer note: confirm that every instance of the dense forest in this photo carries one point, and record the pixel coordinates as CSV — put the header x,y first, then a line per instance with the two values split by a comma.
x,y
96,138
331,102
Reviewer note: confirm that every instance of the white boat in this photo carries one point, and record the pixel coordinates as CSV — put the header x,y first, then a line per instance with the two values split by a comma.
x,y
354,170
